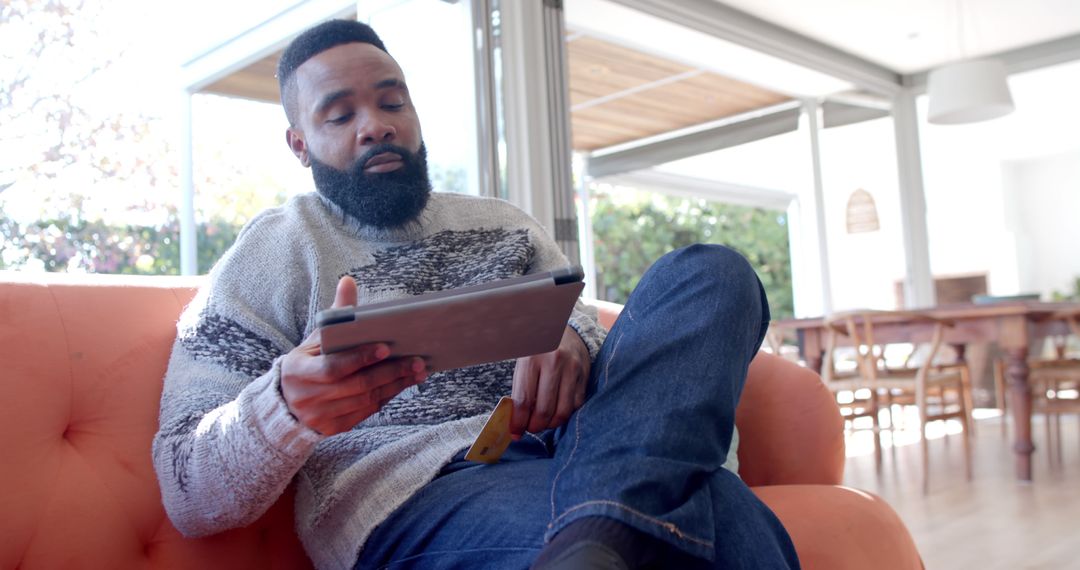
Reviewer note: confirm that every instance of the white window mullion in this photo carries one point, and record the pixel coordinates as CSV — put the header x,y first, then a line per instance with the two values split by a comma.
x,y
536,117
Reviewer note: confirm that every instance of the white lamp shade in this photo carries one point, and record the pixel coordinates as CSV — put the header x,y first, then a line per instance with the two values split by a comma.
x,y
968,92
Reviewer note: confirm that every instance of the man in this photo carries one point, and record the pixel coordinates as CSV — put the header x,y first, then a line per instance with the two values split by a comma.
x,y
619,444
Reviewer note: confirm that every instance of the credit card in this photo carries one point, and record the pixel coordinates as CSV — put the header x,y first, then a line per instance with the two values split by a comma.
x,y
495,437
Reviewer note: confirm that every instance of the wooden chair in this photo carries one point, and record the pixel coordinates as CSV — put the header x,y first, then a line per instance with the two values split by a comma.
x,y
778,340
853,394
939,392
1055,382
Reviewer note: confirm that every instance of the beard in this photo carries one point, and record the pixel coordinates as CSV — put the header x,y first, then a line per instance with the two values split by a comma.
x,y
383,200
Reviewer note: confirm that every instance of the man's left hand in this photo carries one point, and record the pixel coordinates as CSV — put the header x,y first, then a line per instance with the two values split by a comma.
x,y
549,387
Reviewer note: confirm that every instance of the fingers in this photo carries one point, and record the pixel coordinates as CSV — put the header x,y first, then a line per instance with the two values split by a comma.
x,y
333,367
548,386
343,412
357,412
320,389
375,377
329,407
367,382
309,365
566,402
345,295
523,392
547,389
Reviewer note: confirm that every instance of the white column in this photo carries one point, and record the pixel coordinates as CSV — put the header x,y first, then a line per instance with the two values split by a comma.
x,y
487,132
189,253
528,167
809,243
918,280
585,231
805,283
537,117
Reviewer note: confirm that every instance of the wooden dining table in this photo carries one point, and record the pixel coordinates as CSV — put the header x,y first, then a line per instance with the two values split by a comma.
x,y
1015,326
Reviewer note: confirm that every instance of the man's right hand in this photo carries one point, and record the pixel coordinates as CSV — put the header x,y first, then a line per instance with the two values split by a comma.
x,y
331,393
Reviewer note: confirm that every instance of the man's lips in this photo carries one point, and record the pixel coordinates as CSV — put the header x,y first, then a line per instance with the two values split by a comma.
x,y
383,162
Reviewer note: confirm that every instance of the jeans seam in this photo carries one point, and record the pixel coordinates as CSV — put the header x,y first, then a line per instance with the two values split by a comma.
x,y
573,450
607,363
539,439
670,527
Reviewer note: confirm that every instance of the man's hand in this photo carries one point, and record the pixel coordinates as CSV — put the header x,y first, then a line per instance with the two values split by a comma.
x,y
331,393
549,387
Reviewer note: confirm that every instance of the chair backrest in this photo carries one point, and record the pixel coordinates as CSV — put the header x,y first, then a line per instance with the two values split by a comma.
x,y
1072,320
83,360
790,427
869,350
1072,317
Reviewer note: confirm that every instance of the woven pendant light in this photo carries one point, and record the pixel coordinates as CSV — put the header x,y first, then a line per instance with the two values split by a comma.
x,y
862,213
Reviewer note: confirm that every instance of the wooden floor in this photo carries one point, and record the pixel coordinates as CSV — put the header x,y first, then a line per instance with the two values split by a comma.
x,y
992,521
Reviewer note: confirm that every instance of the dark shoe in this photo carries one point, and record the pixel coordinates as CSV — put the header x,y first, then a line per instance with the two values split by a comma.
x,y
585,555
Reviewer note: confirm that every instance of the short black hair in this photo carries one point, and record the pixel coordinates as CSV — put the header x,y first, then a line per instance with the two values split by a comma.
x,y
312,42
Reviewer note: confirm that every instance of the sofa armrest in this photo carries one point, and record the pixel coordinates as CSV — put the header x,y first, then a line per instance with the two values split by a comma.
x,y
839,528
790,428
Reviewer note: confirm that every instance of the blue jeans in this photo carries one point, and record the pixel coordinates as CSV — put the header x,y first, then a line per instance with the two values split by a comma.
x,y
646,448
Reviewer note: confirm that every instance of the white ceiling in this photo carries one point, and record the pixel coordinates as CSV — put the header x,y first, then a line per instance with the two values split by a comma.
x,y
914,35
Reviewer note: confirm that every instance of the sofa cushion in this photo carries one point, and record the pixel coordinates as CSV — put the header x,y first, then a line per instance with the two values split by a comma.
x,y
83,367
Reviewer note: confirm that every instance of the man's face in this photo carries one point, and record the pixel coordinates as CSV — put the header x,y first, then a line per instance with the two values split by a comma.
x,y
357,128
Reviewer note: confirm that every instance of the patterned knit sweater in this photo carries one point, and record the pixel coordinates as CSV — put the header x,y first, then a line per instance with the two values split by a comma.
x,y
228,447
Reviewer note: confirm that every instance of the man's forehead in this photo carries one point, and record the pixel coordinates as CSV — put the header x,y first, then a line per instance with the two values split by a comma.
x,y
356,64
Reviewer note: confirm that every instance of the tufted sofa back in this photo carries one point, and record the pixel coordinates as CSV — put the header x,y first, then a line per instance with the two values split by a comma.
x,y
81,366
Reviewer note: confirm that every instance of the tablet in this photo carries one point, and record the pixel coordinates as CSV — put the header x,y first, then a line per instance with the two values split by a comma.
x,y
461,327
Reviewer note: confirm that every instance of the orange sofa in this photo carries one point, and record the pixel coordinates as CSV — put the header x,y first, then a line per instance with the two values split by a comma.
x,y
82,360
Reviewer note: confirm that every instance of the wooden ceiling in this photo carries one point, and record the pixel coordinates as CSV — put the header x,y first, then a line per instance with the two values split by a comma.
x,y
617,94
257,81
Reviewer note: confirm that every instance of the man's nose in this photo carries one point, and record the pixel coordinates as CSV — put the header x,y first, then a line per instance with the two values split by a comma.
x,y
376,131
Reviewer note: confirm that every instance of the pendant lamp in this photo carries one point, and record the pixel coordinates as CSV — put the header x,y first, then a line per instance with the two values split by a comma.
x,y
968,92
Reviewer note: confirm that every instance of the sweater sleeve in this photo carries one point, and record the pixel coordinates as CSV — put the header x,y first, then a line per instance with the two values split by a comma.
x,y
227,446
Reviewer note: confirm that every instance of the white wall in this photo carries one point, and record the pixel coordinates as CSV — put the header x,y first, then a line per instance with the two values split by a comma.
x,y
965,207
865,266
1001,193
1042,204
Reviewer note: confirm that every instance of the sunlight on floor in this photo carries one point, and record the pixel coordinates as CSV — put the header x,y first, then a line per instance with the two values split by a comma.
x,y
992,521
860,441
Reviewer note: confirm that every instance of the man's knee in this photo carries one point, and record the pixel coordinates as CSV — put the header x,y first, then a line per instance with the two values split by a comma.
x,y
717,272
711,261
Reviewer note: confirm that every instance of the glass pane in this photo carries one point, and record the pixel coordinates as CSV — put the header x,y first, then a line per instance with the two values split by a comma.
x,y
633,228
240,166
87,164
432,41
90,150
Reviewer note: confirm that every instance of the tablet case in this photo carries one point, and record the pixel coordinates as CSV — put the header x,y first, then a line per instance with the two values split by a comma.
x,y
461,327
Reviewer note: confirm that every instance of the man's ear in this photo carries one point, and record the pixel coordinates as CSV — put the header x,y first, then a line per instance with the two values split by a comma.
x,y
295,139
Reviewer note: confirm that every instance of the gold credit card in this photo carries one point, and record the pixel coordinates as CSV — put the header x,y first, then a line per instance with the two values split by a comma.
x,y
495,437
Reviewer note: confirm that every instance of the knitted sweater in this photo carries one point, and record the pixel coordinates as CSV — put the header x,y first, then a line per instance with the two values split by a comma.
x,y
228,446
